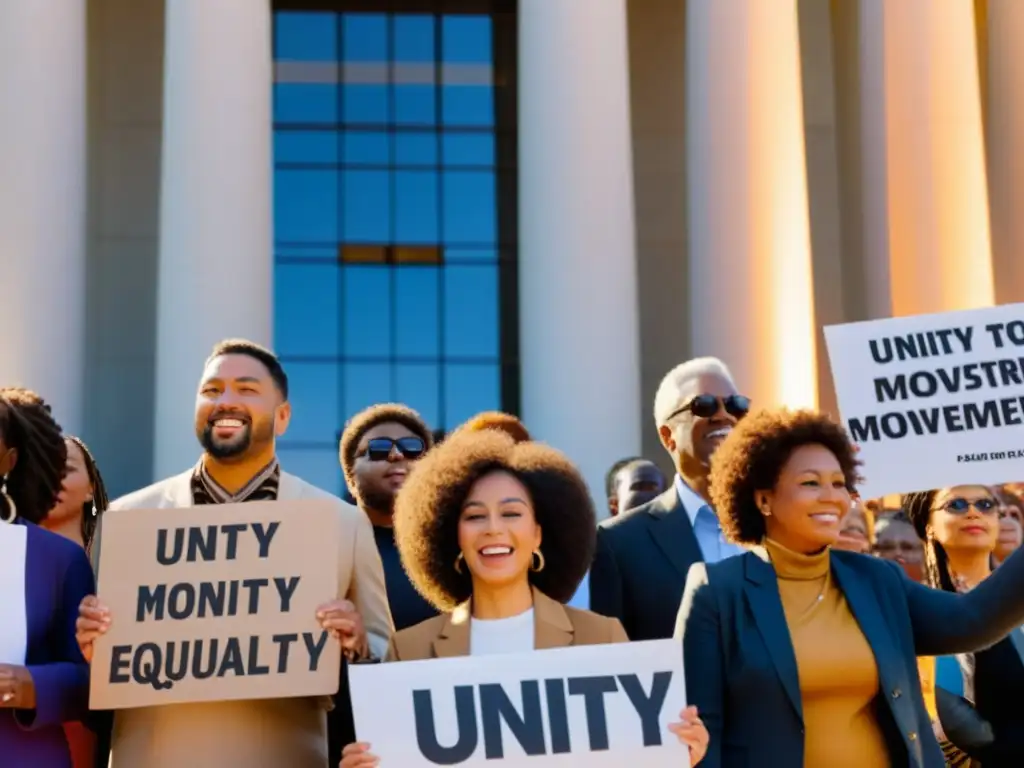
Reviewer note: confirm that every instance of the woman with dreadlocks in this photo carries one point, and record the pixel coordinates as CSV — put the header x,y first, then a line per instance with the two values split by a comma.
x,y
960,530
44,681
83,497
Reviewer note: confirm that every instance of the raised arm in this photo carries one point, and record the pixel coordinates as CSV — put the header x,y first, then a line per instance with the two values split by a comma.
x,y
62,685
367,589
698,627
946,623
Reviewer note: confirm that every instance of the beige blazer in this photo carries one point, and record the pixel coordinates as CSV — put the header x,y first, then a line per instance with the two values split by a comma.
x,y
272,733
554,626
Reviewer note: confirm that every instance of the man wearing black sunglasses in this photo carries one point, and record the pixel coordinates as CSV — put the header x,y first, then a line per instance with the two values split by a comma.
x,y
644,556
378,448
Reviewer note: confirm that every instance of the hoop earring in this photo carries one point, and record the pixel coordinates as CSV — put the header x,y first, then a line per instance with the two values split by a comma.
x,y
11,513
539,565
458,563
93,505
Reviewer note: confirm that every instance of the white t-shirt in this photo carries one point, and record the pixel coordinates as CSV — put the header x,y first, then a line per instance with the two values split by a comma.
x,y
489,637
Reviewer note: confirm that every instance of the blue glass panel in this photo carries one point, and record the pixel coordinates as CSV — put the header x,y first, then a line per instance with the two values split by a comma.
x,y
319,466
468,149
460,255
367,148
367,199
365,37
366,384
306,206
306,307
470,105
414,38
416,148
367,310
418,385
314,394
417,313
302,36
471,313
306,251
305,146
415,104
366,104
466,39
470,208
416,213
305,103
468,390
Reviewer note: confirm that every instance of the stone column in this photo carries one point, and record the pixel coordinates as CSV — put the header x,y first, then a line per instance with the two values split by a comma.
x,y
42,201
751,292
216,217
579,324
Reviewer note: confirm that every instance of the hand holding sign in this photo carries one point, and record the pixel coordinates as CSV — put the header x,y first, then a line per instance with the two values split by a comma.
x,y
342,620
93,621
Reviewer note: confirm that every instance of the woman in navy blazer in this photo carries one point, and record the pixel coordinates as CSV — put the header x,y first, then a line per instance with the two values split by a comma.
x,y
44,681
800,656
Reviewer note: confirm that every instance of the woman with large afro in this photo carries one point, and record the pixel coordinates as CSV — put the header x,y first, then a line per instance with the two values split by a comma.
x,y
498,534
800,655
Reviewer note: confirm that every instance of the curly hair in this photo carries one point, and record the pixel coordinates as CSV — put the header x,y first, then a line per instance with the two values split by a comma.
x,y
100,501
429,506
753,455
369,418
504,422
27,425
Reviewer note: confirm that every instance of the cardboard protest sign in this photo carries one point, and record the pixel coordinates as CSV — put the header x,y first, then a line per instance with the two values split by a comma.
x,y
933,400
596,705
217,603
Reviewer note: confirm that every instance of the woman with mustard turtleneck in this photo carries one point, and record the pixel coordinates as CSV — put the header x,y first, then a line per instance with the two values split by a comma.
x,y
801,656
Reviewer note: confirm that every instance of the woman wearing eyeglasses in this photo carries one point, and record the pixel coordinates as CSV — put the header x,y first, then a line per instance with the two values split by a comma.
x,y
800,655
960,529
497,534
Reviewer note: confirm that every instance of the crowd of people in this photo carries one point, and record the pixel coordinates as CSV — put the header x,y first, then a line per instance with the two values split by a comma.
x,y
817,629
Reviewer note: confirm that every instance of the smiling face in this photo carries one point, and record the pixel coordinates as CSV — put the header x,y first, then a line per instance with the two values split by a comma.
x,y
498,532
853,534
692,437
76,490
239,410
965,519
379,472
808,502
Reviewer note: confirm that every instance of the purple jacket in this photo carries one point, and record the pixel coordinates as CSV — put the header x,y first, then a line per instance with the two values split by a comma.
x,y
58,575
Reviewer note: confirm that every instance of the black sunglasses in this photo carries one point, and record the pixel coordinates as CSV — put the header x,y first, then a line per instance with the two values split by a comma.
x,y
960,506
706,406
379,448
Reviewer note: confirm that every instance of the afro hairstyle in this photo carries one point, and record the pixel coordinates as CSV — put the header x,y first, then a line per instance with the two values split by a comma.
x,y
753,455
429,506
504,422
365,420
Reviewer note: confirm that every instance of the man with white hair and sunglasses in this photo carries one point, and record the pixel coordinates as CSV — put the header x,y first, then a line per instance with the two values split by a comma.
x,y
643,557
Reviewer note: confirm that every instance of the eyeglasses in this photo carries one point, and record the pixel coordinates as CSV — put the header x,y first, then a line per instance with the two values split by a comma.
x,y
379,448
706,406
960,506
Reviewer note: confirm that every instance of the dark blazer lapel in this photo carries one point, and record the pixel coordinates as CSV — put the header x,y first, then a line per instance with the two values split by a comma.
x,y
864,606
453,639
551,625
671,530
762,593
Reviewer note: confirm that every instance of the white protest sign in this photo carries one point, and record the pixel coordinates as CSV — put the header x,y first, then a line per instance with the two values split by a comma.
x,y
599,706
602,706
933,400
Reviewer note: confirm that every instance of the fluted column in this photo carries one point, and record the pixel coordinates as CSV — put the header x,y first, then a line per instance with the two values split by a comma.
x,y
216,265
751,292
42,201
579,335
924,154
1005,140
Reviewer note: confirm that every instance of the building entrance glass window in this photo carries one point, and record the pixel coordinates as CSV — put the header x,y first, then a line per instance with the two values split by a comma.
x,y
394,214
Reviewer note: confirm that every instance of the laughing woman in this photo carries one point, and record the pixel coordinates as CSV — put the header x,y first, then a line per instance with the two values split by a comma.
x,y
44,681
498,535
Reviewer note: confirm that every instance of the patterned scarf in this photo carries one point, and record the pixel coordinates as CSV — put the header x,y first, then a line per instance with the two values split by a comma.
x,y
262,487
